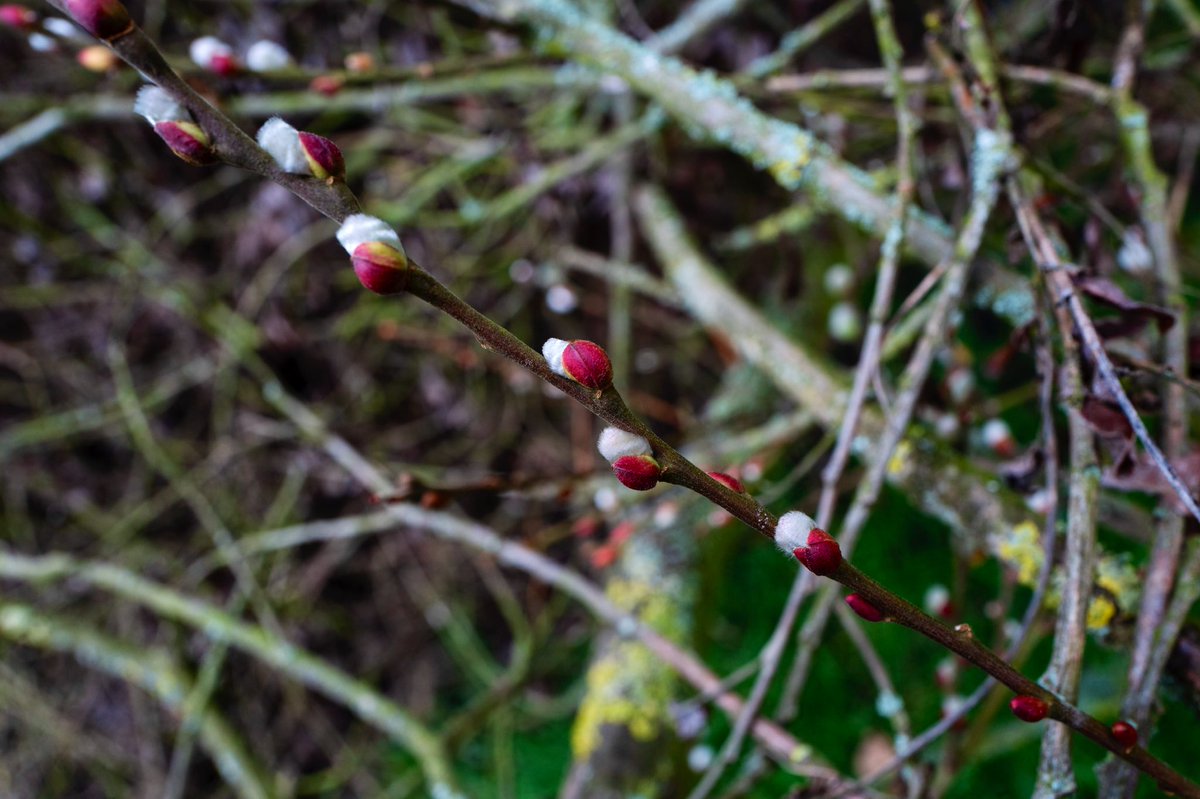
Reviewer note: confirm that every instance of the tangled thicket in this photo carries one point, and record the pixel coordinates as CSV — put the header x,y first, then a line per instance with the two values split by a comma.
x,y
267,534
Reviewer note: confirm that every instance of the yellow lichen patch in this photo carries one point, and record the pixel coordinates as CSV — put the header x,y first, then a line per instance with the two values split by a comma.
x,y
628,687
800,754
1022,551
1120,579
1100,612
789,173
899,462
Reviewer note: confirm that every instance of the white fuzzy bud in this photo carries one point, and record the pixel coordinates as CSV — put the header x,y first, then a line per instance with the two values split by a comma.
x,y
157,106
845,323
41,43
937,596
792,531
266,55
615,443
839,279
207,48
282,141
363,228
65,29
553,351
1134,256
996,433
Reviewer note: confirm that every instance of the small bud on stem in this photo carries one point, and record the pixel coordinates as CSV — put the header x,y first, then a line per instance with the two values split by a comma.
x,y
323,156
1029,708
797,534
639,472
174,125
729,481
375,252
105,19
1124,734
864,609
188,141
301,152
582,361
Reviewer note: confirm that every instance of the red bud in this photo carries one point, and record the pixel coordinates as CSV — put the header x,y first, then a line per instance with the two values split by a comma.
x,y
224,65
639,472
864,608
188,141
104,19
1029,708
822,556
1125,734
323,156
588,365
18,17
380,267
729,481
328,85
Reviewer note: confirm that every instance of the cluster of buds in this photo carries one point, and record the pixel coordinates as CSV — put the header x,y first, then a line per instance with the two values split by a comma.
x,y
41,33
216,56
300,152
375,252
631,458
798,535
582,361
175,126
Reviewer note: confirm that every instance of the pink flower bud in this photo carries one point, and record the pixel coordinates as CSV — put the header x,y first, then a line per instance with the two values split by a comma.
x,y
18,17
224,65
1125,734
822,556
587,364
798,535
188,141
1029,708
104,19
376,253
214,55
380,267
729,481
328,85
639,472
864,608
998,437
323,156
